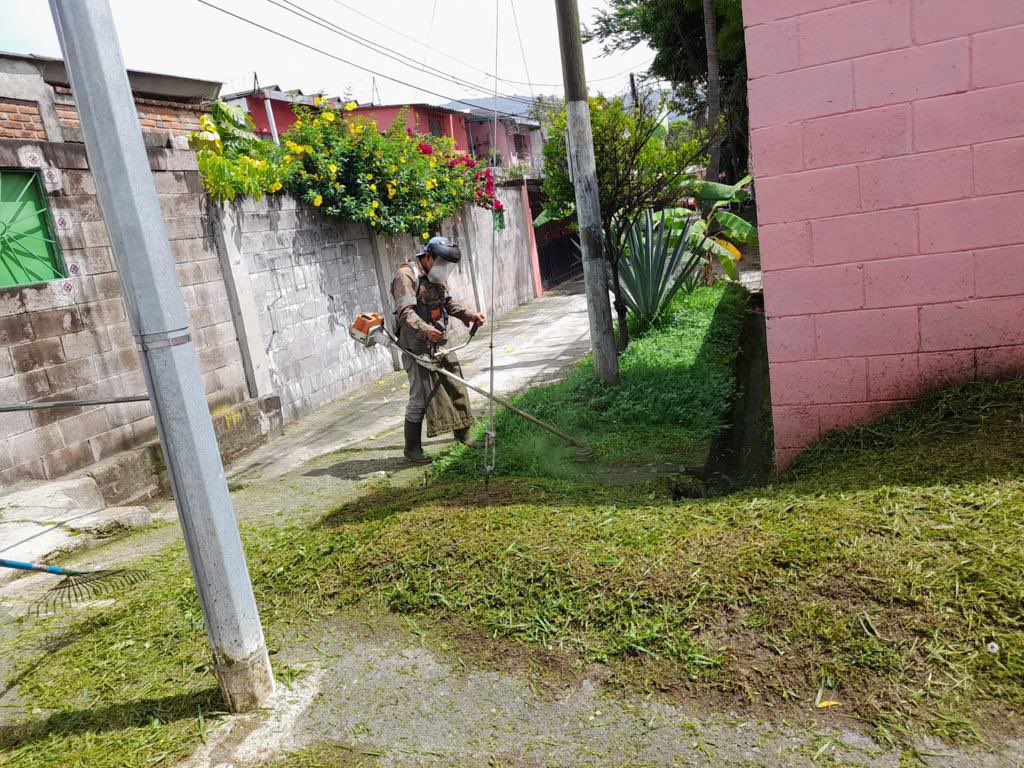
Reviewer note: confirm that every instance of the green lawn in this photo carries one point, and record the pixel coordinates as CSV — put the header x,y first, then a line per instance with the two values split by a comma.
x,y
677,388
885,572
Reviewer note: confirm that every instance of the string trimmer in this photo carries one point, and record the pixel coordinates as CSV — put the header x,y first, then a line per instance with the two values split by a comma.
x,y
369,330
76,585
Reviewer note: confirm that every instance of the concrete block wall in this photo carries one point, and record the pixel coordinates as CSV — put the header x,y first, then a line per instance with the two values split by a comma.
x,y
310,277
70,339
888,146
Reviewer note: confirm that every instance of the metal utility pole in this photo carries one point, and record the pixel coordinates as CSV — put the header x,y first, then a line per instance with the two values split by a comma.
x,y
583,169
152,296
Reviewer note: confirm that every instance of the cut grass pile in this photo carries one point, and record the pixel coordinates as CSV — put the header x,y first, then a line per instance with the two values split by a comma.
x,y
677,388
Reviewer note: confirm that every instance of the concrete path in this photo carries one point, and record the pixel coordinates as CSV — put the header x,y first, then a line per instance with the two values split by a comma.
x,y
532,343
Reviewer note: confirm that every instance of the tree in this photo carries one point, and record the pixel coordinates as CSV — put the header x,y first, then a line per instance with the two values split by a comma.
x,y
714,90
637,171
675,29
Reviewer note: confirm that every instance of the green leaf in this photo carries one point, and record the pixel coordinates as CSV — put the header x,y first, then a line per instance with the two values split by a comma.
x,y
711,191
738,229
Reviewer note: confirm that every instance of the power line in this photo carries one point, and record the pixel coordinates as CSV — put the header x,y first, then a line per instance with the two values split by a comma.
x,y
382,50
402,34
340,59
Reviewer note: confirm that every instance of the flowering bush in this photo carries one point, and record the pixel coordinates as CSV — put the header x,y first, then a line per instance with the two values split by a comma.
x,y
394,181
232,160
340,163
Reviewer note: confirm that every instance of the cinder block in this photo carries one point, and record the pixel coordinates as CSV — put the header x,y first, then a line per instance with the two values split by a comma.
x,y
865,237
6,363
808,195
813,290
973,324
772,48
801,95
777,150
852,30
791,338
56,322
1001,362
33,355
893,377
867,332
80,428
32,445
940,369
762,11
999,271
943,19
969,118
998,57
103,313
16,329
853,414
75,373
819,381
857,137
109,443
86,343
933,177
912,73
930,279
999,167
982,222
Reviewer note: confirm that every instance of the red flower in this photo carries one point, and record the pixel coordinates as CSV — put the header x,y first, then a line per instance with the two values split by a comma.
x,y
498,206
425,148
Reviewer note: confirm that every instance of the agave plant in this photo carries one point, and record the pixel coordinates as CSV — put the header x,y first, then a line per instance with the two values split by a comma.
x,y
659,259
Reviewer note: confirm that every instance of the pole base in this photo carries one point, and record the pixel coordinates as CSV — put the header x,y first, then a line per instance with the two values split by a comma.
x,y
246,684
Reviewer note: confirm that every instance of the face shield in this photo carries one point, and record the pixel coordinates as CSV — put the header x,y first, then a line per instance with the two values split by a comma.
x,y
439,273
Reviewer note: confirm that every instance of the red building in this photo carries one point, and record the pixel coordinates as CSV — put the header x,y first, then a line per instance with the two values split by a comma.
x,y
422,118
273,110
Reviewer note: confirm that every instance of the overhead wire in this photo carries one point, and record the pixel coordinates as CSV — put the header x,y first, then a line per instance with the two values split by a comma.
x,y
383,50
490,75
321,51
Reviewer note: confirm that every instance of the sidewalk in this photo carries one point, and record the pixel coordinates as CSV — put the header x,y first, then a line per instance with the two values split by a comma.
x,y
532,343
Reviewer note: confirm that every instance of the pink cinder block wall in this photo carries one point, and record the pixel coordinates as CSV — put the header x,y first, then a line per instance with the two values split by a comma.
x,y
888,147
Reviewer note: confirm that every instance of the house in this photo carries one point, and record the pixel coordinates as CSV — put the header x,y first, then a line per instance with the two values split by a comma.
x,y
519,140
422,118
273,110
889,157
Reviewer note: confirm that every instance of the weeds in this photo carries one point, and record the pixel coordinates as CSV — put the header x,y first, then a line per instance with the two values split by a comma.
x,y
677,386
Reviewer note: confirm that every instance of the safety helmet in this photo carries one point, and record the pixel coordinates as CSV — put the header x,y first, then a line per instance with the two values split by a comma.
x,y
441,248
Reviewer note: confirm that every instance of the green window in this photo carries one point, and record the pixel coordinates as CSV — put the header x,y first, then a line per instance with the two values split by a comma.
x,y
28,247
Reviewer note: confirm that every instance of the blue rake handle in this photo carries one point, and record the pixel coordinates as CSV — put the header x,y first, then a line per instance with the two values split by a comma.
x,y
22,566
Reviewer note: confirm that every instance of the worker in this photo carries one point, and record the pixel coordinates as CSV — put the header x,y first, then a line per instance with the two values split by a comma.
x,y
422,309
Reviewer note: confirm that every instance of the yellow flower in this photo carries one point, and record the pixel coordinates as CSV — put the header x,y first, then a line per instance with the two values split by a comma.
x,y
392,167
425,235
369,177
430,183
373,187
378,154
350,106
287,158
376,203
307,148
333,167
276,186
337,185
318,201
293,147
328,116
424,202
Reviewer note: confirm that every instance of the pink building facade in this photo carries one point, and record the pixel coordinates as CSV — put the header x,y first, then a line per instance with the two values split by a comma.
x,y
888,146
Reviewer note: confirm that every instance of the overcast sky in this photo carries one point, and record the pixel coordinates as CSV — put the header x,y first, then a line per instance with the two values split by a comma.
x,y
185,37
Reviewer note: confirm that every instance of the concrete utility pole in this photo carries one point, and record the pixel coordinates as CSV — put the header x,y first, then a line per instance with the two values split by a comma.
x,y
583,169
152,296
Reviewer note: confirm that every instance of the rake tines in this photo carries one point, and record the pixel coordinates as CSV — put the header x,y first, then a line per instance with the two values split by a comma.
x,y
79,587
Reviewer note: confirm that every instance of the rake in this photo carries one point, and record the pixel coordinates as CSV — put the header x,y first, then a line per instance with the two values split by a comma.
x,y
76,585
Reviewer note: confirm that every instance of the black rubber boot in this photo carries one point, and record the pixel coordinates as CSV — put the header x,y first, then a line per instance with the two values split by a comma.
x,y
414,443
462,435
